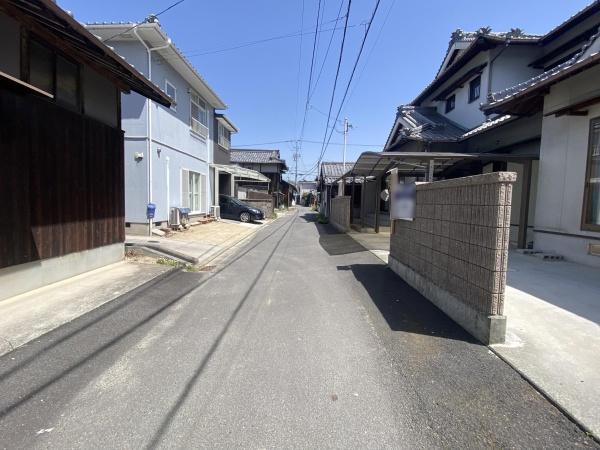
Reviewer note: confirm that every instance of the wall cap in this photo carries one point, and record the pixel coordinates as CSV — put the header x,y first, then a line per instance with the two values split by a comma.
x,y
474,180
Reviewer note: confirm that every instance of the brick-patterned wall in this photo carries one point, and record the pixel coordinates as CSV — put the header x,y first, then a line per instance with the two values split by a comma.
x,y
340,213
458,242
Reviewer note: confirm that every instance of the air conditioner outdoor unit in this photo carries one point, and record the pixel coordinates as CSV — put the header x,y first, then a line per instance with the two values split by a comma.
x,y
215,211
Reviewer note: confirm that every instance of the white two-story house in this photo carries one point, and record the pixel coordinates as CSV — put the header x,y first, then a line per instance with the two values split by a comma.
x,y
168,151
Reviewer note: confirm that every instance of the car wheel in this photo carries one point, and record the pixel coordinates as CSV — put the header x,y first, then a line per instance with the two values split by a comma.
x,y
245,217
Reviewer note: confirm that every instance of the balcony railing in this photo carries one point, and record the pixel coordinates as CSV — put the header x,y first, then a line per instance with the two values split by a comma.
x,y
199,128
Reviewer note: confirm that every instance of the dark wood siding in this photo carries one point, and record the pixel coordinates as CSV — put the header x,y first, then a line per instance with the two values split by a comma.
x,y
61,180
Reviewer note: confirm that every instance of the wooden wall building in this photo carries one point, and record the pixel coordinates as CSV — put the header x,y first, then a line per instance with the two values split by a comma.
x,y
61,176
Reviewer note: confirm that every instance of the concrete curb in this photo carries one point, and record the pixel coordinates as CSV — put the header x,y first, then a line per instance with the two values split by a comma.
x,y
165,251
548,396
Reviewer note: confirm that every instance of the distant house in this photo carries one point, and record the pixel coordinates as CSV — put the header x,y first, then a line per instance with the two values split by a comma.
x,y
267,162
327,186
566,95
62,175
168,150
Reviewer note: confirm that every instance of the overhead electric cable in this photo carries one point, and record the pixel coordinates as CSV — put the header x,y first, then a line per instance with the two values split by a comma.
x,y
145,20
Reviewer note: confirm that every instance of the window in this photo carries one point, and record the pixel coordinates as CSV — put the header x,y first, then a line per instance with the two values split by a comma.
x,y
591,203
192,190
199,115
450,103
41,67
171,91
54,74
224,137
474,89
67,82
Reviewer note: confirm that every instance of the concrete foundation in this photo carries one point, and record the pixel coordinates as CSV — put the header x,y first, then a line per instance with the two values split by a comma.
x,y
487,329
16,280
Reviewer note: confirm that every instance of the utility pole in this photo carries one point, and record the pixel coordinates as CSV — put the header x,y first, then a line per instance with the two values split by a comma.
x,y
347,126
296,157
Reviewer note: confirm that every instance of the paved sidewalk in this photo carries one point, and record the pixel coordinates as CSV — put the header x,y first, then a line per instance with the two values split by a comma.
x,y
553,334
201,243
25,317
376,243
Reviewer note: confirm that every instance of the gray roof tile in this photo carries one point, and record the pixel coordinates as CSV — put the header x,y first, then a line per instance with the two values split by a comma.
x,y
256,156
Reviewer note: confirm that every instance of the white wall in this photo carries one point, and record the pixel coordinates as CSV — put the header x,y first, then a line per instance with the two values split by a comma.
x,y
563,159
466,114
10,46
510,66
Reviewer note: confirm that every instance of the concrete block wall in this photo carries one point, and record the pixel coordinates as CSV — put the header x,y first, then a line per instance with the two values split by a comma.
x,y
339,216
456,249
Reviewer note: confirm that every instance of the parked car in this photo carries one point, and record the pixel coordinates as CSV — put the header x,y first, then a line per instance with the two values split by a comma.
x,y
232,208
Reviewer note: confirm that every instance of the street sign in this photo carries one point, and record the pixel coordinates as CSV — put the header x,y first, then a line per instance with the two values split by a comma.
x,y
403,202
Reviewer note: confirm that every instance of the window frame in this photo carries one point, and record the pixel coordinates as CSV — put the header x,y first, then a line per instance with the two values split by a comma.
x,y
471,97
223,134
586,226
167,84
29,38
202,106
447,102
201,185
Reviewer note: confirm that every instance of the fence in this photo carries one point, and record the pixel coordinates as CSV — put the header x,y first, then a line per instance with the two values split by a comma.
x,y
455,252
339,216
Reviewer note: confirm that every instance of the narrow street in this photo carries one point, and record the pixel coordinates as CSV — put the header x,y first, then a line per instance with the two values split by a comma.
x,y
303,339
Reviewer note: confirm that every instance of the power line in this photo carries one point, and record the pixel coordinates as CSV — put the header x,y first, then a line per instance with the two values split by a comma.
x,y
328,48
192,54
299,69
145,20
362,46
362,71
308,141
337,73
312,63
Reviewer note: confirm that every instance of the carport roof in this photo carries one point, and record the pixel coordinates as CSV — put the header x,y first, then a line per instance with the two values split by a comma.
x,y
376,164
241,172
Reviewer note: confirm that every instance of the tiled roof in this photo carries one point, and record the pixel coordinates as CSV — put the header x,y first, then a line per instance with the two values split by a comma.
x,y
576,18
495,98
331,171
256,156
426,124
487,125
478,41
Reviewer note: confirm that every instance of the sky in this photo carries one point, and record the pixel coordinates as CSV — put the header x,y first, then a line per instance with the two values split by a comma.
x,y
265,85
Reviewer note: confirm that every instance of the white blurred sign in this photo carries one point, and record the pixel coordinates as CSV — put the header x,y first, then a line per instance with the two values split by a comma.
x,y
403,202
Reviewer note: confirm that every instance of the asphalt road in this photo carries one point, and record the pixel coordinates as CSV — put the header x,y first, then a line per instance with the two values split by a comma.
x,y
301,340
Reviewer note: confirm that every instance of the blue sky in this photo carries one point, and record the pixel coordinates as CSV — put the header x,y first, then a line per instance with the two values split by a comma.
x,y
266,91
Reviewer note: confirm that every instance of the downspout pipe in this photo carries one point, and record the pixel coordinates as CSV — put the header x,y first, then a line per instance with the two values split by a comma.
x,y
149,51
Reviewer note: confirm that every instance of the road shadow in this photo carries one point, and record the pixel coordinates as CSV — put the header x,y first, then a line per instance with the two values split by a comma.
x,y
331,240
403,308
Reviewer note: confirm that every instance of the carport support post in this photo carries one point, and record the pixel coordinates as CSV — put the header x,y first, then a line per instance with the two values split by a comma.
x,y
363,189
216,181
232,187
352,194
430,171
524,211
393,187
377,202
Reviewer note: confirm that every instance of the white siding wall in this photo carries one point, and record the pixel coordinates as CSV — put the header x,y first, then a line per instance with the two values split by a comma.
x,y
563,159
466,114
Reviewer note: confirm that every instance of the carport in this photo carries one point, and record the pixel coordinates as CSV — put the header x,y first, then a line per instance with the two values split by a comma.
x,y
372,168
236,174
